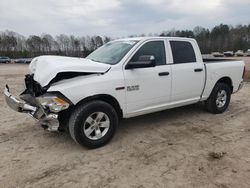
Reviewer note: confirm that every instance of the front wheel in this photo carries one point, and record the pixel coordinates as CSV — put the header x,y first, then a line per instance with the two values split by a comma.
x,y
93,124
219,99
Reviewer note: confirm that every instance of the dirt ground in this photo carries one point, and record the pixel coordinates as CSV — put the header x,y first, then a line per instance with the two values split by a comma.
x,y
183,147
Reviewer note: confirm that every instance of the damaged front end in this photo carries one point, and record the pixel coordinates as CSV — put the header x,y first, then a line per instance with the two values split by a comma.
x,y
51,109
41,105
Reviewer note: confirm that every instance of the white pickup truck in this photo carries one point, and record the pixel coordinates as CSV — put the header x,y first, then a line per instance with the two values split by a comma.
x,y
122,79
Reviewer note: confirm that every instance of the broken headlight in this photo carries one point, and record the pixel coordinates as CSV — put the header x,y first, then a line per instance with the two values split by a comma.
x,y
54,103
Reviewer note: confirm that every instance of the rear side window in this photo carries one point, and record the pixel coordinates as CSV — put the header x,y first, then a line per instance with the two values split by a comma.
x,y
183,52
155,48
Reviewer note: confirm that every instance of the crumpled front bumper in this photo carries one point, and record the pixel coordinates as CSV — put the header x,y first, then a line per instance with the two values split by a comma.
x,y
47,121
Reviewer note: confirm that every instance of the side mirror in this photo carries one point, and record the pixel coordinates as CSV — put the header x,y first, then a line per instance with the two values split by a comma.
x,y
144,61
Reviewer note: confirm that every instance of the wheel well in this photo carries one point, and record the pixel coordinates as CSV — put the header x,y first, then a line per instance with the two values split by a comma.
x,y
106,98
228,81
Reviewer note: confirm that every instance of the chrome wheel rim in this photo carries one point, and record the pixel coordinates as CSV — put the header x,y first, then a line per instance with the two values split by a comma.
x,y
221,98
96,125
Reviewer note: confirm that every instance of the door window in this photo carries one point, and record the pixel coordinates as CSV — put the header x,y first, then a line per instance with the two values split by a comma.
x,y
154,48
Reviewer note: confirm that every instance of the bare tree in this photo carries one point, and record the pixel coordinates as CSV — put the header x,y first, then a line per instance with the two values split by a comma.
x,y
47,43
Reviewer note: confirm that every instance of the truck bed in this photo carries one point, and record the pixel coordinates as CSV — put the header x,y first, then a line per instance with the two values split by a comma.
x,y
217,68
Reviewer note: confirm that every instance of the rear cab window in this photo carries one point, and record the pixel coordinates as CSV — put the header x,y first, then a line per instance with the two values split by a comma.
x,y
183,52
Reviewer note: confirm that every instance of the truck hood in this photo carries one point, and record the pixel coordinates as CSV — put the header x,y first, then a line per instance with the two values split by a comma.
x,y
45,68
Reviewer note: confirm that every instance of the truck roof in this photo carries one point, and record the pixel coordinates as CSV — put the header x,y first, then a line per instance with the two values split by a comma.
x,y
147,38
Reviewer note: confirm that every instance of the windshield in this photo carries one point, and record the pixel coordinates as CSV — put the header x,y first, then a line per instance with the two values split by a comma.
x,y
112,52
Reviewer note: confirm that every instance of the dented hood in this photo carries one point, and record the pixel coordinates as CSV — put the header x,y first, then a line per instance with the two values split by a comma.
x,y
45,68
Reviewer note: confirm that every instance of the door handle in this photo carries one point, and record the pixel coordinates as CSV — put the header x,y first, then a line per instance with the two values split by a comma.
x,y
163,74
198,70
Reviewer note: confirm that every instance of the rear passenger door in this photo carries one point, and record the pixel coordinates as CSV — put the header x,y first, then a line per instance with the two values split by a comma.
x,y
188,72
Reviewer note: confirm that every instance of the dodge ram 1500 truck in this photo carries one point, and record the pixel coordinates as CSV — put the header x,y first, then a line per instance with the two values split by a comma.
x,y
122,79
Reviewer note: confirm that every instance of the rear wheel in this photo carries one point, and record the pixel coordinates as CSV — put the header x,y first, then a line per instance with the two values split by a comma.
x,y
93,124
219,99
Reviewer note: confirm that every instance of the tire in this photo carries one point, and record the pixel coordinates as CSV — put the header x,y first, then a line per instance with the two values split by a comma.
x,y
221,105
93,124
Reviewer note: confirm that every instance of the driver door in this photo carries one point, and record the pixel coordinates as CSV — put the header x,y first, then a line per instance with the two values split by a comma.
x,y
148,89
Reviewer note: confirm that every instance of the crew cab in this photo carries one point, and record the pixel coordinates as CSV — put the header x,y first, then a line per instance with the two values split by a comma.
x,y
122,79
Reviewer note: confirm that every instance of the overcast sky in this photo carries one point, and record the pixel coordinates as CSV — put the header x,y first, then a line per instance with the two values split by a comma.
x,y
117,18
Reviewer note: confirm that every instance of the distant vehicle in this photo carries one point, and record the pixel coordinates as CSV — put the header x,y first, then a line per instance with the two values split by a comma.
x,y
217,54
23,61
239,53
122,79
4,59
229,53
248,52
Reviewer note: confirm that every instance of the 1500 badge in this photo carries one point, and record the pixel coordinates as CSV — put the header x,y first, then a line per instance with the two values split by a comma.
x,y
133,88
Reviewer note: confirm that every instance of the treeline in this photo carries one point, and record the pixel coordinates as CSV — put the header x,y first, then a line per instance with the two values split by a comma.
x,y
220,38
15,45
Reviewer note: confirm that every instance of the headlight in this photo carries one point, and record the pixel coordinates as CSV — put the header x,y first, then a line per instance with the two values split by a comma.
x,y
55,104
